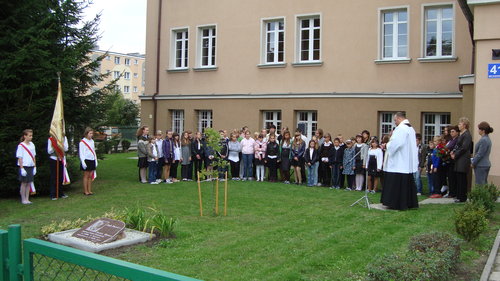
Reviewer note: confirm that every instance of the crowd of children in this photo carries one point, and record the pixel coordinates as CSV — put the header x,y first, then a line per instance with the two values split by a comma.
x,y
320,161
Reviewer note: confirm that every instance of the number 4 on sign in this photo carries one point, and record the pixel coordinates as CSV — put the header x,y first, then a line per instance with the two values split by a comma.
x,y
493,69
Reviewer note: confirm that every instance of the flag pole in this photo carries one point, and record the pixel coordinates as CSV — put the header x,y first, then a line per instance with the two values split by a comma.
x,y
57,156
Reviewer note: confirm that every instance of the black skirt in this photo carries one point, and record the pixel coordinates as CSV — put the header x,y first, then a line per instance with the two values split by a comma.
x,y
297,163
90,165
29,174
142,162
259,162
372,167
399,191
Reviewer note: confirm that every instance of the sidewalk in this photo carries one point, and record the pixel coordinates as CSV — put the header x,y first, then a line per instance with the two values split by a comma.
x,y
491,271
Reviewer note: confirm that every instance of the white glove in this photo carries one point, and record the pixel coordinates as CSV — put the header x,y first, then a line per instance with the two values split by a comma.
x,y
23,172
84,165
34,171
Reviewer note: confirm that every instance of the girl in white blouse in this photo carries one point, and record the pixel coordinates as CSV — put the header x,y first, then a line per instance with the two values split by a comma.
x,y
25,155
88,160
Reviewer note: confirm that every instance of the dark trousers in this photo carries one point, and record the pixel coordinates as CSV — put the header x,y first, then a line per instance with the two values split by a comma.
x,y
185,171
159,167
452,181
285,175
272,164
461,186
235,169
53,176
350,181
173,169
198,163
336,175
303,169
342,178
326,173
189,172
443,175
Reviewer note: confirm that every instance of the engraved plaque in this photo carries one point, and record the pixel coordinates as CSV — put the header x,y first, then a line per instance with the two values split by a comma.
x,y
100,231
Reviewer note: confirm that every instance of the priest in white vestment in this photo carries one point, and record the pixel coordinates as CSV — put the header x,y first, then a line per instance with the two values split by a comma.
x,y
400,163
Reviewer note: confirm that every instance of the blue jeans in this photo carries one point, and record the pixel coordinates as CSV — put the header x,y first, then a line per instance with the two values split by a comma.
x,y
418,181
152,171
312,174
336,175
430,182
248,165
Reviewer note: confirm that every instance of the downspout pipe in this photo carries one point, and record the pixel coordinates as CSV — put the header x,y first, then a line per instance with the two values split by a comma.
x,y
157,86
470,19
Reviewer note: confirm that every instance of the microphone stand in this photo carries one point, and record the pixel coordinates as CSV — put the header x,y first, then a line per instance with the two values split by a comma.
x,y
364,200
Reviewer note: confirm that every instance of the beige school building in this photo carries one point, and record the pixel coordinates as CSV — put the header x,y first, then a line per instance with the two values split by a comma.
x,y
343,66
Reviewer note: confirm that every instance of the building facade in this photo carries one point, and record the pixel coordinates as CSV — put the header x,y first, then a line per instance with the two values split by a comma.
x,y
342,66
129,69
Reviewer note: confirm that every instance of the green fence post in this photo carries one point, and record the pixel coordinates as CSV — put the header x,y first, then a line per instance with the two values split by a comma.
x,y
4,255
14,252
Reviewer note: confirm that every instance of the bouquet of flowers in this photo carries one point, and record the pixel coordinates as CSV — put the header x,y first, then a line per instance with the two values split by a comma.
x,y
442,152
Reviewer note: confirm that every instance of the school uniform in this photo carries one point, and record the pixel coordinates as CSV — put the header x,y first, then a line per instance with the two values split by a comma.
x,y
86,151
335,160
234,148
27,152
142,154
197,154
161,158
186,163
285,158
324,166
176,159
272,154
311,158
152,161
223,154
53,163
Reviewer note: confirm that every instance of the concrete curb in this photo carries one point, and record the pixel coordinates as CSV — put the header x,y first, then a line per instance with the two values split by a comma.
x,y
491,259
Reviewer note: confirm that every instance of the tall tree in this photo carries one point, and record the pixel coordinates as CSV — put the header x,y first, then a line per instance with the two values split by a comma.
x,y
38,40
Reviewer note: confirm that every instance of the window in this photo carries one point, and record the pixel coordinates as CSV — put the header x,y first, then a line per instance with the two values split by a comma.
x,y
177,121
395,34
274,41
117,87
272,118
309,39
207,46
439,31
136,75
136,62
180,55
386,123
135,89
127,61
434,124
108,57
204,120
117,60
116,74
126,75
307,121
126,89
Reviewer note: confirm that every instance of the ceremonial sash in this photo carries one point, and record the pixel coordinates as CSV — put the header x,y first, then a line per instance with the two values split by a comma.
x,y
32,186
94,174
59,152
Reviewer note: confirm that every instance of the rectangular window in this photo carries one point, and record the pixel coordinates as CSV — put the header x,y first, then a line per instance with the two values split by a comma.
x,y
127,61
177,121
117,60
116,74
108,57
181,42
207,46
307,121
394,34
386,123
433,125
126,89
439,31
126,75
136,75
135,89
271,118
204,120
136,62
309,39
274,41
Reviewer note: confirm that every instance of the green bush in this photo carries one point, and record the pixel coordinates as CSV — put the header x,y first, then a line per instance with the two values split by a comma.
x,y
485,196
115,141
135,218
103,147
438,241
163,225
125,145
470,221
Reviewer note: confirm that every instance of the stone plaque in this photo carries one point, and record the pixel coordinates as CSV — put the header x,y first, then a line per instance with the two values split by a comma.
x,y
100,231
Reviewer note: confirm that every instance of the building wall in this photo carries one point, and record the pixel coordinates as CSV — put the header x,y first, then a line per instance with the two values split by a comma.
x,y
487,101
108,65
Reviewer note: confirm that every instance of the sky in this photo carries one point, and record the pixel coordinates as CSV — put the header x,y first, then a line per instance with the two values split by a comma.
x,y
122,26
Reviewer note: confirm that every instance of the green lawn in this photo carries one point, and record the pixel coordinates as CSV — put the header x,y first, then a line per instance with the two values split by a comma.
x,y
272,232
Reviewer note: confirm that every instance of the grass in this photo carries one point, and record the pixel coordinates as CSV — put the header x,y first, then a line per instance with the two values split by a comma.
x,y
272,232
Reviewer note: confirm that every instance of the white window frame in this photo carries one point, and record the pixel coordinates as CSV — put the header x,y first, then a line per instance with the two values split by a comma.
x,y
199,44
126,75
184,48
136,75
311,125
136,89
127,61
136,61
263,40
177,116
116,74
439,48
204,119
117,60
275,120
383,123
126,89
108,57
438,124
382,12
298,38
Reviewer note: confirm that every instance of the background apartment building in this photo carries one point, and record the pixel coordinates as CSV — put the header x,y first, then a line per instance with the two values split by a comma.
x,y
128,68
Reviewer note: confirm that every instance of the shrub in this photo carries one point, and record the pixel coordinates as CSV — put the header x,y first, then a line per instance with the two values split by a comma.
x,y
485,196
114,142
125,145
163,224
136,218
470,221
437,241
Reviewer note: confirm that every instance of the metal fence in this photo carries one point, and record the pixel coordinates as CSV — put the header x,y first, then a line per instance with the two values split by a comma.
x,y
34,259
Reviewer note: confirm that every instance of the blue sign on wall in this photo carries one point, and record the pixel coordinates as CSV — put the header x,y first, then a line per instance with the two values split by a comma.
x,y
494,70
